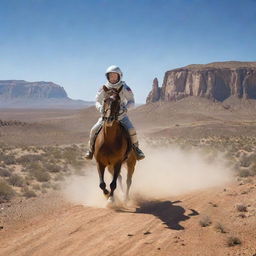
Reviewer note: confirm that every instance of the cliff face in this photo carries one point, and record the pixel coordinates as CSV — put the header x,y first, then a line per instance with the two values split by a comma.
x,y
10,89
216,81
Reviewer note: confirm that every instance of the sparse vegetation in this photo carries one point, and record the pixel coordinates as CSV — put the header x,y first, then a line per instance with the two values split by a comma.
x,y
29,158
52,167
48,164
233,240
43,164
6,191
41,175
220,228
8,159
16,180
241,208
28,193
205,221
5,172
244,173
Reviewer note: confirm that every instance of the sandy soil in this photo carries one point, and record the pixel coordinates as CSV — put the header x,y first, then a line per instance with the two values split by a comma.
x,y
169,226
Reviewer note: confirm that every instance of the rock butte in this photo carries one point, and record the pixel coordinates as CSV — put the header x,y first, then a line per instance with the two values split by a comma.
x,y
216,81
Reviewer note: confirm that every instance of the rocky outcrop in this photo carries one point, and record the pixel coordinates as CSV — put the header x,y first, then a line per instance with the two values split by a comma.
x,y
155,94
10,89
217,81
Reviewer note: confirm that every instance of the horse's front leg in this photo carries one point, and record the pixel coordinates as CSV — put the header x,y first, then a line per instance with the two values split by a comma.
x,y
117,169
101,170
120,182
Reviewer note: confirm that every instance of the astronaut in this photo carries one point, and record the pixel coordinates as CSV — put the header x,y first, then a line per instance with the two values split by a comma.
x,y
114,80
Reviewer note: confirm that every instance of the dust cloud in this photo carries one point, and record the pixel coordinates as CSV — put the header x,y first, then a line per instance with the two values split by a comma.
x,y
165,172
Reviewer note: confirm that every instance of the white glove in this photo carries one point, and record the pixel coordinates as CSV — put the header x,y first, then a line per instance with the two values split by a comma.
x,y
101,110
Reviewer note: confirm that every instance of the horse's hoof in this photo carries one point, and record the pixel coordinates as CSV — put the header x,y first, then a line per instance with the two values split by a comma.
x,y
106,194
111,199
110,202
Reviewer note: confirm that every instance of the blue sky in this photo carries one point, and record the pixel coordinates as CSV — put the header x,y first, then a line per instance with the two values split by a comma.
x,y
72,42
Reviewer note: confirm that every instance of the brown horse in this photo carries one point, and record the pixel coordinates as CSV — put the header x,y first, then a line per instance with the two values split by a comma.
x,y
112,145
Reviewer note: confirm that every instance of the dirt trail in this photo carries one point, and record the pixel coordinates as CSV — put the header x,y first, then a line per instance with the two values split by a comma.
x,y
163,227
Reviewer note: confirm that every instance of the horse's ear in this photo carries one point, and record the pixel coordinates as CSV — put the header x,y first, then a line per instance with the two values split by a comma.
x,y
120,89
105,88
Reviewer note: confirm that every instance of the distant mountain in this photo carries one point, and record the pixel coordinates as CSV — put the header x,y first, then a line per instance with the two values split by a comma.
x,y
216,81
23,94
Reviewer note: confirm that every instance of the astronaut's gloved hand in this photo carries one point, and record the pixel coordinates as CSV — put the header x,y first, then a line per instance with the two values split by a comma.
x,y
102,110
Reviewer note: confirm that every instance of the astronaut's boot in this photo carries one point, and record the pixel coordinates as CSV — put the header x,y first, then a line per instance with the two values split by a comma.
x,y
139,154
90,151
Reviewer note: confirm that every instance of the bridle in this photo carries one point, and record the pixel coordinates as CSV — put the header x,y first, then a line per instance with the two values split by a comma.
x,y
109,118
112,117
115,98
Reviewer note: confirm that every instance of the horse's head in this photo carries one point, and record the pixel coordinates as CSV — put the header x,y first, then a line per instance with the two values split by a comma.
x,y
111,106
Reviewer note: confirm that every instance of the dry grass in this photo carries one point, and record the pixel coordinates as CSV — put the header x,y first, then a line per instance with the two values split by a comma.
x,y
6,191
205,221
241,208
28,166
220,228
233,240
16,180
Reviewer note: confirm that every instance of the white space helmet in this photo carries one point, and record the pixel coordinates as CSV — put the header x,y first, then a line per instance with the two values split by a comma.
x,y
114,69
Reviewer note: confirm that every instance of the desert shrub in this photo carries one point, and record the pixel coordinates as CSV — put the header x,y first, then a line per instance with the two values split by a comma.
x,y
220,228
69,155
5,172
245,161
205,221
244,173
32,166
53,152
232,241
241,208
2,165
41,175
29,193
16,180
6,191
46,185
52,167
253,170
29,158
7,159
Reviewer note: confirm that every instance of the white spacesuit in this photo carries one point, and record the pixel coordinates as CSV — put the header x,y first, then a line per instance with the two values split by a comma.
x,y
127,102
